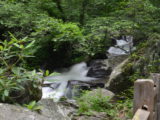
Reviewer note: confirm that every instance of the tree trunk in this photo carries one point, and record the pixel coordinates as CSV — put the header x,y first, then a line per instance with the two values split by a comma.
x,y
82,12
59,6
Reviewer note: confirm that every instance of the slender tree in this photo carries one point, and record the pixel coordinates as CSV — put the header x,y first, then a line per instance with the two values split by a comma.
x,y
59,6
83,11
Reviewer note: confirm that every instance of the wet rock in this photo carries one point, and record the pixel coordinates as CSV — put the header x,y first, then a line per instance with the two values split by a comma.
x,y
143,63
78,78
86,85
116,60
99,69
54,110
116,78
75,88
12,112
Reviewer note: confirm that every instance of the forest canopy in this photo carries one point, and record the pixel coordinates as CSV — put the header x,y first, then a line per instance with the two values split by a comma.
x,y
81,28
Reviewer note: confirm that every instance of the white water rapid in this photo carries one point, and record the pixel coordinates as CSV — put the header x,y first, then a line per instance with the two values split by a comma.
x,y
59,84
123,46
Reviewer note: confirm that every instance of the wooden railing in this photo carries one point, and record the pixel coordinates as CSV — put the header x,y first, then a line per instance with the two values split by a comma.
x,y
146,104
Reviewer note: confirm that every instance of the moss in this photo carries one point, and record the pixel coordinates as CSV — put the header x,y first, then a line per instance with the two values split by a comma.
x,y
134,69
145,60
128,68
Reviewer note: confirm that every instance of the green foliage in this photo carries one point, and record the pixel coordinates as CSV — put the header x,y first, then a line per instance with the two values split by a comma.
x,y
144,14
102,30
97,102
73,10
154,66
13,76
142,62
124,109
15,82
50,24
51,36
17,18
58,33
14,51
89,104
55,38
33,106
47,73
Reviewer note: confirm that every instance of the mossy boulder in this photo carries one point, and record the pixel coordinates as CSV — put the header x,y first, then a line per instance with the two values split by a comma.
x,y
142,62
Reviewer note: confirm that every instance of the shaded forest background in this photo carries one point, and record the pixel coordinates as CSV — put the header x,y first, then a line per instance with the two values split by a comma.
x,y
69,31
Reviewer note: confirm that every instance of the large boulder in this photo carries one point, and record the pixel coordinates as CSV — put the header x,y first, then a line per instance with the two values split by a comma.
x,y
140,64
99,69
57,111
116,60
115,82
103,92
50,111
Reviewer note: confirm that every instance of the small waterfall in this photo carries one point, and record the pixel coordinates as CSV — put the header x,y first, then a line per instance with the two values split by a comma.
x,y
123,46
62,85
59,84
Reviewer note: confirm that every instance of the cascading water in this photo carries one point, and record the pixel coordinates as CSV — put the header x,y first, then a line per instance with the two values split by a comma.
x,y
123,46
59,84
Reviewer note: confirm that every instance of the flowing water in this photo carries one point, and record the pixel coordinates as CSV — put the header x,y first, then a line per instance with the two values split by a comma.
x,y
122,47
59,84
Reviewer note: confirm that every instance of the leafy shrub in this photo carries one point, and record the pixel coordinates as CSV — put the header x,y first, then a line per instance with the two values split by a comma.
x,y
57,40
97,102
13,77
58,33
52,36
88,104
123,109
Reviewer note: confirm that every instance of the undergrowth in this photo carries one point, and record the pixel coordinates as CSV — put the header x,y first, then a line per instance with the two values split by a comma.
x,y
114,110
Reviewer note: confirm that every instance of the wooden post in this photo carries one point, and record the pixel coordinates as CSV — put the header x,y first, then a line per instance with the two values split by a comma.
x,y
144,96
156,79
141,115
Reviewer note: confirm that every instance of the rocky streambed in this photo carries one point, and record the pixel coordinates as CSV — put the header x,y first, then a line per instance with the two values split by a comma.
x,y
100,73
83,76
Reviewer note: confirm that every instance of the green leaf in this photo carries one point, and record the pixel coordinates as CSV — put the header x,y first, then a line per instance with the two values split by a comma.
x,y
1,47
18,46
30,44
16,70
6,93
54,73
12,36
47,73
32,104
21,46
1,70
33,73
